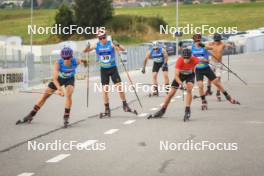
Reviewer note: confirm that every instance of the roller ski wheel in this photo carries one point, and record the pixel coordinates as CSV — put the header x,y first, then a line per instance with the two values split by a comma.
x,y
155,94
107,113
233,101
208,93
195,97
26,119
66,123
157,115
204,106
187,116
218,98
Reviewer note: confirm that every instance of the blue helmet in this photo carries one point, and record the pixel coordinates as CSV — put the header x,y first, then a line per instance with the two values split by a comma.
x,y
66,52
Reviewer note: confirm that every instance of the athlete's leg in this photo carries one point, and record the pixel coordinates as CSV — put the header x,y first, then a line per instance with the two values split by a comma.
x,y
166,80
155,82
189,87
47,93
68,104
168,98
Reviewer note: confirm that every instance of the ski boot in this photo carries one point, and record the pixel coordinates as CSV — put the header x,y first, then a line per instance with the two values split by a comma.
x,y
26,119
107,113
218,96
208,92
204,105
187,116
231,100
66,122
158,114
126,108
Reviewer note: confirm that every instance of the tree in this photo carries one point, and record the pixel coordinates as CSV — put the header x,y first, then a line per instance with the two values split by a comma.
x,y
27,4
93,13
65,18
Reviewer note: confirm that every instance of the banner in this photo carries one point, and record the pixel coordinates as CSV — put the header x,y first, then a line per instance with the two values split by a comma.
x,y
14,77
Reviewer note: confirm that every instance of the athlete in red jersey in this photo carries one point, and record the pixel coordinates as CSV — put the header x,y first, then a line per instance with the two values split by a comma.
x,y
184,72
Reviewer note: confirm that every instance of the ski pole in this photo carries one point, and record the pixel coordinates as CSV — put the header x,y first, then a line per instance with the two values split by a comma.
x,y
230,70
130,80
36,92
234,74
87,80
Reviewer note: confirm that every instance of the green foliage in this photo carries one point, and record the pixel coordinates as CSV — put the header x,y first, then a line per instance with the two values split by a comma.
x,y
133,23
93,13
65,18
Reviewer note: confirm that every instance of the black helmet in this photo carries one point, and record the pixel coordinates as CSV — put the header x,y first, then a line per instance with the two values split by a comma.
x,y
197,37
186,53
217,37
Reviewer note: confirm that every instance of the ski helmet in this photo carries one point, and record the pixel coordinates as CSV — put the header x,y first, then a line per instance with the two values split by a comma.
x,y
217,37
186,53
66,52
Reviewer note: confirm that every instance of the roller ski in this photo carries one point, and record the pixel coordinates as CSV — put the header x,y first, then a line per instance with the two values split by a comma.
x,y
157,115
218,96
126,108
107,113
204,105
26,119
187,116
66,122
154,94
208,93
231,100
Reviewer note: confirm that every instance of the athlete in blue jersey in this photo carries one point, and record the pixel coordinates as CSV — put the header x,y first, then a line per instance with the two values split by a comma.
x,y
106,58
203,69
63,75
160,60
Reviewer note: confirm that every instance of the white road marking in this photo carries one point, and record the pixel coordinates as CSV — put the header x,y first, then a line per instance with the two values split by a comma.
x,y
255,122
112,131
179,96
172,100
26,174
154,109
87,143
128,122
142,114
58,158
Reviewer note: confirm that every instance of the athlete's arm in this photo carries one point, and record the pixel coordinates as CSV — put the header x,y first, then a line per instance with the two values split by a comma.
x,y
209,46
89,49
117,46
82,61
165,54
55,79
177,76
228,45
146,59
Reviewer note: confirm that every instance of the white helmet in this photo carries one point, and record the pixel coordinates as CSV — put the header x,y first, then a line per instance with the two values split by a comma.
x,y
101,32
155,44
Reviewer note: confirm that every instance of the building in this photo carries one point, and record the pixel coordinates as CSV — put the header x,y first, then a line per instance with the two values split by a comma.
x,y
17,3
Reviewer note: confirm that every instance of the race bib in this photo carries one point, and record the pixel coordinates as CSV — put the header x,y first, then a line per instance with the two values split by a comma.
x,y
105,58
158,59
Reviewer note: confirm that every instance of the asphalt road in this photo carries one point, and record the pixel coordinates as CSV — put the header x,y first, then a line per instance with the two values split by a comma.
x,y
130,145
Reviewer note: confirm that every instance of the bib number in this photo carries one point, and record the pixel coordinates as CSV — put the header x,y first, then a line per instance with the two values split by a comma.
x,y
105,58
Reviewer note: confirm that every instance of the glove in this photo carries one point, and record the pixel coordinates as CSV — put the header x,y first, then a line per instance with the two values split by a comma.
x,y
165,67
143,70
181,86
201,45
116,43
88,44
85,63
